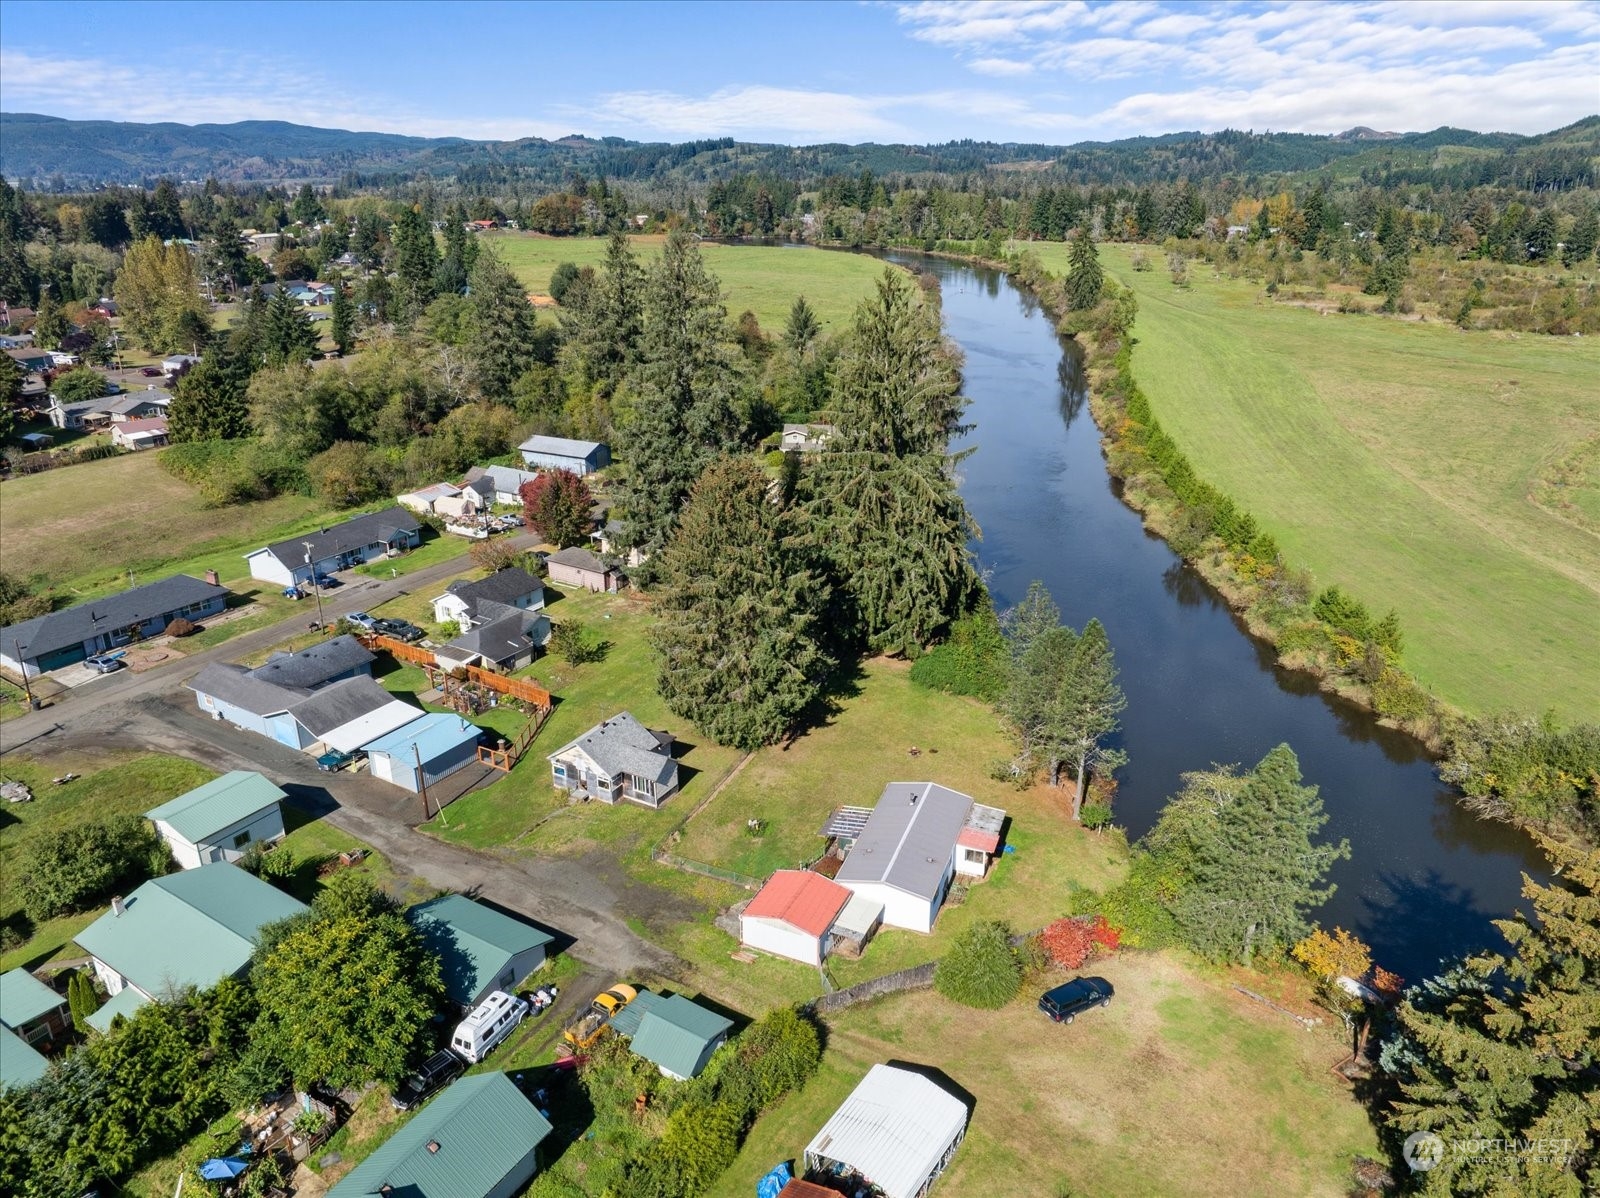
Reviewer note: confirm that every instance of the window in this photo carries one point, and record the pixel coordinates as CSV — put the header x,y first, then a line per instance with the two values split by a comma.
x,y
241,840
974,856
559,770
639,784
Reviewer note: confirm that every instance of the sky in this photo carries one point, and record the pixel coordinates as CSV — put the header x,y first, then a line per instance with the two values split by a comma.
x,y
1052,71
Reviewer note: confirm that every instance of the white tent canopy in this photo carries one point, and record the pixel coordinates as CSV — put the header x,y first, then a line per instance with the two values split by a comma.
x,y
897,1130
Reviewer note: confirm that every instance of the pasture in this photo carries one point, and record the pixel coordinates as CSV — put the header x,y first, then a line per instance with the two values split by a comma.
x,y
764,279
1448,475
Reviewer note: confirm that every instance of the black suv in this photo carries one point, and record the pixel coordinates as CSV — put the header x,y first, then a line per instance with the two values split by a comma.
x,y
1075,997
401,630
442,1067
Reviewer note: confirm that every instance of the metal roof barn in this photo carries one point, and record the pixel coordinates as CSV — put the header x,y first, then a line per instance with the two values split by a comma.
x,y
897,1131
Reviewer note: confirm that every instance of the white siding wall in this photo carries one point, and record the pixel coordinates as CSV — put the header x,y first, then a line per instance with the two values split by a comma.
x,y
187,855
268,568
971,868
780,939
109,978
264,825
900,910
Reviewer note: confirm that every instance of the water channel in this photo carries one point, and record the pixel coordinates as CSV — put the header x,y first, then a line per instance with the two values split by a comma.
x,y
1424,877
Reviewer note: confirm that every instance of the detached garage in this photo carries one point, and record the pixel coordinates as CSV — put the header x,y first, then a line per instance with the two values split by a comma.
x,y
792,914
425,751
894,1135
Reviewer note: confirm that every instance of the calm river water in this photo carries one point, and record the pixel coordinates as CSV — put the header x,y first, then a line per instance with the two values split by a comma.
x,y
1424,877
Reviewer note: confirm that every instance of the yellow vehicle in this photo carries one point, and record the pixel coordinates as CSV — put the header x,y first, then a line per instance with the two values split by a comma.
x,y
588,1027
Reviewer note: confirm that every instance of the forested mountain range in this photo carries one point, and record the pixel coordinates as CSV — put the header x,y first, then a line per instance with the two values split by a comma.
x,y
50,153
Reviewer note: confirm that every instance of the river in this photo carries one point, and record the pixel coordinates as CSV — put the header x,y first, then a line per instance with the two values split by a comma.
x,y
1424,877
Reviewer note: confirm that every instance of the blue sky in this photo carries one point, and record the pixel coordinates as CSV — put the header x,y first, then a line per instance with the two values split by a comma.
x,y
1047,71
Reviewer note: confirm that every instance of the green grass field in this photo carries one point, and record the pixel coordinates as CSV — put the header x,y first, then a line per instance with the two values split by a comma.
x,y
1411,463
763,279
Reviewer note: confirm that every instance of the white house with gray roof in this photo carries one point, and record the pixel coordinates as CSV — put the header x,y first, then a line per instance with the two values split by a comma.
x,y
501,621
618,759
500,484
61,638
220,820
905,856
374,535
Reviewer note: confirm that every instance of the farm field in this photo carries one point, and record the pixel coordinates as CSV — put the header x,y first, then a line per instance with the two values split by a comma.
x,y
1447,475
1148,1096
763,279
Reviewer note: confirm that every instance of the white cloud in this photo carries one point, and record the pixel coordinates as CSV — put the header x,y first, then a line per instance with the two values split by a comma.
x,y
1001,67
800,114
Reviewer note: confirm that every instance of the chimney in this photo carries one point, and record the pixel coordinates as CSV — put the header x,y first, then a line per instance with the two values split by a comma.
x,y
117,905
211,577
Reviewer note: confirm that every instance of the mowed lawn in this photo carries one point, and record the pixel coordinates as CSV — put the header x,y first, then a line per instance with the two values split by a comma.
x,y
1180,1086
1402,461
83,528
762,279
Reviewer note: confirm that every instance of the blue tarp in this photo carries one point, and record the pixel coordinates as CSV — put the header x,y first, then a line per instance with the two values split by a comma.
x,y
224,1168
772,1184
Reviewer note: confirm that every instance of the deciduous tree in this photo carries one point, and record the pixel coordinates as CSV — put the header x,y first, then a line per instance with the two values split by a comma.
x,y
158,297
558,505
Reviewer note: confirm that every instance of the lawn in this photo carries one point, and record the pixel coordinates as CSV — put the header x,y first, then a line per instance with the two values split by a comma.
x,y
504,814
436,547
762,279
1181,1086
85,529
1405,461
110,785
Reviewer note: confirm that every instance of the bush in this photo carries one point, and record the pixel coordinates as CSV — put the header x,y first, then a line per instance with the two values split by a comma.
x,y
1095,815
570,639
81,866
1067,942
973,661
981,969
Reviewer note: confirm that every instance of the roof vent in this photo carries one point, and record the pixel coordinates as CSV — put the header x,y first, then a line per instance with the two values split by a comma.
x,y
117,905
433,1145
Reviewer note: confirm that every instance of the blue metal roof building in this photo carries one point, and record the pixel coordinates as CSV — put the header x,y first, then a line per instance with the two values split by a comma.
x,y
424,751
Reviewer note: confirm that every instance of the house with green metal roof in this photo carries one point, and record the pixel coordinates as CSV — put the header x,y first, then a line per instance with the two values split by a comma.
x,y
186,929
480,949
220,820
32,1010
478,1139
21,1064
679,1036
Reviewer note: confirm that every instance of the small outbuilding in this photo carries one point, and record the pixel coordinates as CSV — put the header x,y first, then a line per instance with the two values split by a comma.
x,y
220,820
32,1010
478,1139
21,1064
423,499
343,716
564,453
577,567
500,484
893,1136
678,1036
792,915
480,949
425,751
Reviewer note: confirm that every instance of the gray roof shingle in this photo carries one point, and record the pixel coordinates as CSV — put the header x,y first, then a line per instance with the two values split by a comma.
x,y
74,625
352,534
337,705
623,745
237,687
503,586
579,559
909,838
312,666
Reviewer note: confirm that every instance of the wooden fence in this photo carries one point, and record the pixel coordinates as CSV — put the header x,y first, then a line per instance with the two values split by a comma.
x,y
399,650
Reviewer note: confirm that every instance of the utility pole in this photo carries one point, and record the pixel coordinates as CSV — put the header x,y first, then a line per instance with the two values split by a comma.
x,y
315,589
22,661
422,783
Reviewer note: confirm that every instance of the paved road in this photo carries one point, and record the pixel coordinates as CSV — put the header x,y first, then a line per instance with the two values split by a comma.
x,y
153,711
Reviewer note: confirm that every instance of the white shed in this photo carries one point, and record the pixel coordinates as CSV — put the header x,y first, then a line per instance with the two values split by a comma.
x,y
905,856
896,1132
220,820
791,915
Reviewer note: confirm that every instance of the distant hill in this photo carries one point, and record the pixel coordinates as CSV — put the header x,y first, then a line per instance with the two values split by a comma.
x,y
45,149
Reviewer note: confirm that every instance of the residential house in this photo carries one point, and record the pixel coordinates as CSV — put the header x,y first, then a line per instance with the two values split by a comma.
x,y
792,915
343,716
85,413
462,506
618,759
563,453
480,949
478,1139
806,438
317,665
35,1012
192,928
61,638
220,820
461,602
678,1036
140,434
425,751
905,856
233,693
16,340
32,360
607,541
178,365
576,567
361,539
21,1064
423,498
500,620
504,483
137,405
894,1135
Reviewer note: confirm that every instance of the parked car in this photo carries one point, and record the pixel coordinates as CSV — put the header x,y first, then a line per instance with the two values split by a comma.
x,y
150,372
401,630
488,1023
438,1070
1075,997
361,620
324,581
105,663
335,760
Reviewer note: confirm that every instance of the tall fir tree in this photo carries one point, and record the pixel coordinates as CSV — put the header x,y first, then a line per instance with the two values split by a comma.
x,y
1581,241
49,321
741,610
1086,278
802,327
209,401
501,339
289,336
342,320
416,261
603,332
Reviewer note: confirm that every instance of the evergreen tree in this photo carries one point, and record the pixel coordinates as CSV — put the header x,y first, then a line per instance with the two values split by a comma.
x,y
11,382
683,415
1092,702
226,252
164,212
1030,619
802,328
1085,277
501,340
18,279
1254,870
49,321
342,320
604,330
416,261
740,613
288,336
1582,240
1542,237
1506,1049
306,209
209,401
